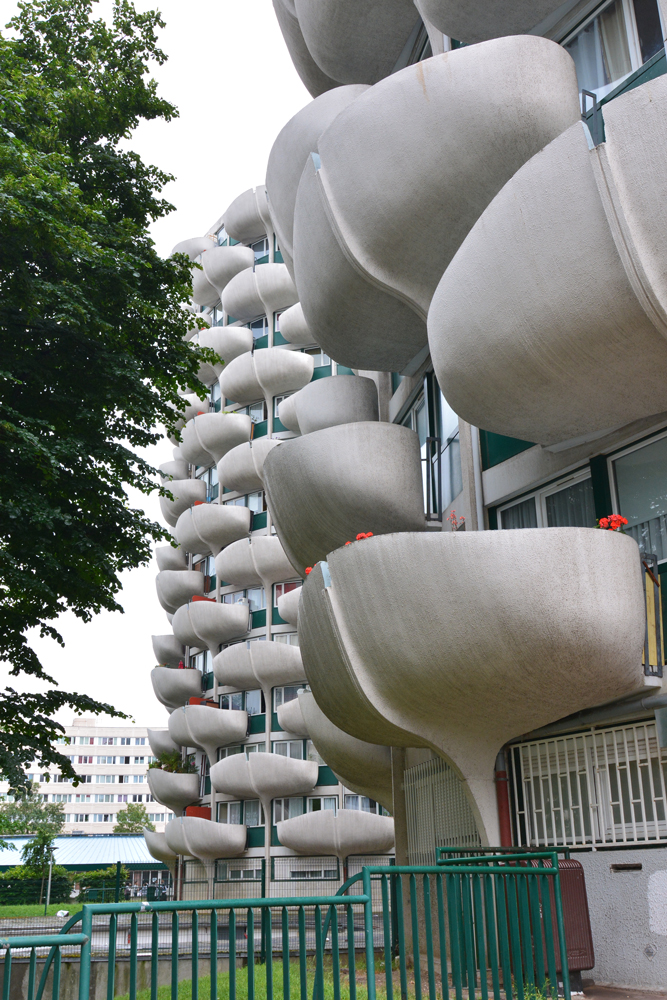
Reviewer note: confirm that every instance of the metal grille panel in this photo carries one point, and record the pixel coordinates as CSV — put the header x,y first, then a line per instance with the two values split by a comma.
x,y
438,812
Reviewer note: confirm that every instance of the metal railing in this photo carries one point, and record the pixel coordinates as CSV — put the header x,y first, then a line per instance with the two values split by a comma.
x,y
654,647
485,925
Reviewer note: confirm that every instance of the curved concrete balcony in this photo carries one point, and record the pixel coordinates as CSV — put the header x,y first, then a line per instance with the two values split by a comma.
x,y
294,144
168,557
348,399
176,587
364,768
291,718
264,776
262,664
325,488
266,373
208,527
463,641
254,562
160,742
168,650
266,289
220,264
193,406
207,728
185,492
228,342
288,606
488,19
315,81
204,839
207,623
352,41
247,218
194,246
294,328
177,469
561,365
159,849
350,831
241,469
174,687
206,438
176,791
403,174
203,292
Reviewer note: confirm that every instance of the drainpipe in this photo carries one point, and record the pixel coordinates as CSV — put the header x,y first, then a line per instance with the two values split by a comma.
x,y
595,716
502,797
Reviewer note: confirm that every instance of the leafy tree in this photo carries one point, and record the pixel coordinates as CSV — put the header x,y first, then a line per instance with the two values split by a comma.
x,y
30,814
132,819
92,349
103,877
38,852
171,760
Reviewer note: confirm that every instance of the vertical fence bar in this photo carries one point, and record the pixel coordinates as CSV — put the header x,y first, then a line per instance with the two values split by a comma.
x,y
490,917
232,954
303,978
514,934
285,951
415,938
442,936
213,936
468,936
134,935
7,977
428,933
111,962
547,922
478,911
402,961
454,933
194,947
368,934
335,953
524,928
351,963
268,952
55,989
251,953
84,967
560,922
32,971
318,990
155,953
503,934
386,927
174,955
536,924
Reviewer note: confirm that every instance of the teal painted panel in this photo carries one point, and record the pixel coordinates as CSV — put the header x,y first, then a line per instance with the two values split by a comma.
x,y
497,448
324,371
255,836
278,257
396,380
260,429
207,786
258,618
233,242
275,725
342,370
209,681
278,425
257,725
259,520
326,776
278,339
262,342
276,619
262,260
274,837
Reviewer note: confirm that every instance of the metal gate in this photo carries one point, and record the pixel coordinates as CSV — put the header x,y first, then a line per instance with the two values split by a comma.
x,y
437,810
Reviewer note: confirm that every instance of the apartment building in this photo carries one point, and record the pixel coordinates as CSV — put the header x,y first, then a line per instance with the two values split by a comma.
x,y
444,372
111,762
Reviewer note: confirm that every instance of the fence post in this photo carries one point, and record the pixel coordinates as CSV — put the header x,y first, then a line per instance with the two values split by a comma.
x,y
84,967
368,934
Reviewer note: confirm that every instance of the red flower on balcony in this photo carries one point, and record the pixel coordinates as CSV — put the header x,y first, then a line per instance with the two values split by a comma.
x,y
309,569
367,534
614,522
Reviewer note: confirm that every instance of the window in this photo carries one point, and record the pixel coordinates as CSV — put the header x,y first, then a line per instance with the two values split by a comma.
x,y
122,798
287,809
102,779
210,477
229,812
281,695
138,760
87,740
312,754
76,818
289,748
253,813
640,478
277,400
225,752
106,741
206,565
450,454
255,501
615,41
364,804
254,748
280,589
103,760
260,248
140,741
259,327
103,818
202,661
234,701
329,802
556,506
103,798
255,597
276,316
289,638
319,357
85,760
125,741
254,703
216,397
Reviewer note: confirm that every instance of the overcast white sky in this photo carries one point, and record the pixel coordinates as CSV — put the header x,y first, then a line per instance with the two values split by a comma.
x,y
234,84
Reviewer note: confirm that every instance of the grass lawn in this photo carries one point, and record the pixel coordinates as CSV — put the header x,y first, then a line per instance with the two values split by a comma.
x,y
37,910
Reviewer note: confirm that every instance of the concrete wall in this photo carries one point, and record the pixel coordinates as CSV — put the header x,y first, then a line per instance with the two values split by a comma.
x,y
628,917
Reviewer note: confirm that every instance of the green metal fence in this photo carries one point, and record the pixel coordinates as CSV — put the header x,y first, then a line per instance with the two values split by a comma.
x,y
489,926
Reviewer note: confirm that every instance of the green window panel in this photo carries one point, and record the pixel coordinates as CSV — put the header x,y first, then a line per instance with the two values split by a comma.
x,y
326,776
209,681
275,725
276,619
278,339
497,448
342,370
259,520
262,342
207,786
256,836
262,260
323,372
274,837
259,618
278,257
278,425
260,429
257,724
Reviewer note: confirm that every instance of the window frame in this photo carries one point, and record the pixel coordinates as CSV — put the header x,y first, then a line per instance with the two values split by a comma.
x,y
540,496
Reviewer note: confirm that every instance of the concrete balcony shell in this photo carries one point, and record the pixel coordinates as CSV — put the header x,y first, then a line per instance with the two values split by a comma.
x,y
315,81
349,831
293,145
174,687
160,850
402,175
168,650
185,493
326,487
254,562
256,291
221,264
204,839
195,246
261,664
248,218
266,373
208,624
177,469
406,642
176,791
489,19
206,438
567,263
203,292
288,606
241,469
294,328
228,342
264,776
364,768
160,742
290,718
207,728
207,528
168,557
328,402
177,587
